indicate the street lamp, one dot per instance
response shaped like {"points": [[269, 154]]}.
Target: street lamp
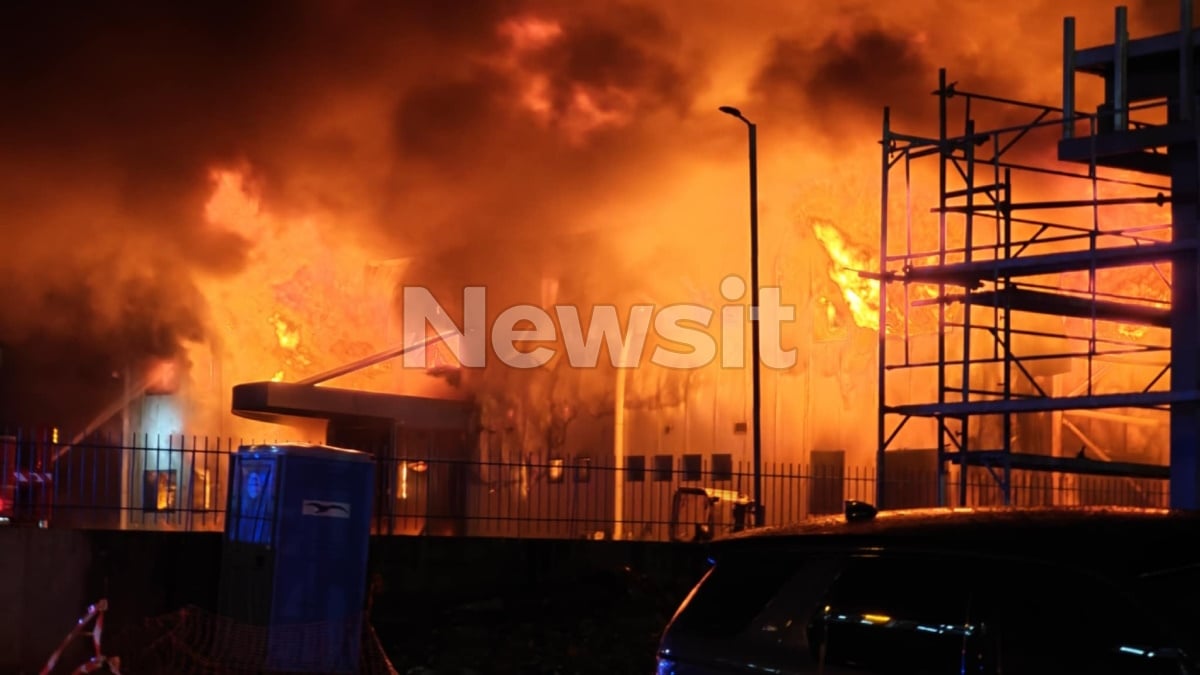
{"points": [[756, 387]]}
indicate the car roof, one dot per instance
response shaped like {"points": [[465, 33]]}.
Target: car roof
{"points": [[953, 519], [1126, 538]]}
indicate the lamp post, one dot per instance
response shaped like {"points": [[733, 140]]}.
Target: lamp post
{"points": [[756, 374]]}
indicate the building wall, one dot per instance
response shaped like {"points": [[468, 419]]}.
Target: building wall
{"points": [[824, 407]]}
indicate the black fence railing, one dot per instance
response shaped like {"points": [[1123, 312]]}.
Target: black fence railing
{"points": [[180, 483]]}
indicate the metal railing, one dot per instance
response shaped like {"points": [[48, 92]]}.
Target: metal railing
{"points": [[180, 484]]}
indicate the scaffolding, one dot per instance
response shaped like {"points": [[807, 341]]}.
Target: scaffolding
{"points": [[1008, 326]]}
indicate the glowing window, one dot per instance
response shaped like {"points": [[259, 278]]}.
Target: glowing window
{"points": [[159, 489], [201, 489]]}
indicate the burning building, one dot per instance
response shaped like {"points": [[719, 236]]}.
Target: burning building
{"points": [[552, 155]]}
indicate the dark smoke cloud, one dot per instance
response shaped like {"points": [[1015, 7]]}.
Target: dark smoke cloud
{"points": [[852, 74], [530, 177], [829, 86], [630, 48]]}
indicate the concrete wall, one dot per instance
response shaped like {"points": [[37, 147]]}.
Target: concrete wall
{"points": [[43, 574], [49, 576]]}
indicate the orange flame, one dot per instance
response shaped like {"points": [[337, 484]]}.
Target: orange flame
{"points": [[1129, 331], [861, 294], [303, 304], [288, 336]]}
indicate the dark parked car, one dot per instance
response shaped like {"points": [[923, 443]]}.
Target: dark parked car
{"points": [[1091, 591]]}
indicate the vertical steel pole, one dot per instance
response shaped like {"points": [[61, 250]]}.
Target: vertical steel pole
{"points": [[756, 366], [881, 431], [941, 351], [1187, 89], [1120, 93], [1068, 77], [968, 242]]}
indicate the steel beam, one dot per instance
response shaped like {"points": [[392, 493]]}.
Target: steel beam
{"points": [[1092, 467], [1116, 417], [1150, 399], [1187, 86], [1068, 91], [372, 360], [1142, 54], [1056, 304], [281, 402], [1185, 330], [1118, 83], [882, 438], [972, 273], [1159, 199], [1128, 143]]}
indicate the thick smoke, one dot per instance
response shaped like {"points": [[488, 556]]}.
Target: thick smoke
{"points": [[842, 81], [491, 140], [839, 78]]}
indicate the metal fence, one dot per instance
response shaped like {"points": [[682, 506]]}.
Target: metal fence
{"points": [[180, 484]]}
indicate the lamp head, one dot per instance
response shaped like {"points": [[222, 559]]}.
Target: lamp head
{"points": [[730, 110]]}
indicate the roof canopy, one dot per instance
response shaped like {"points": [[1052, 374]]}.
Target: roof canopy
{"points": [[277, 401]]}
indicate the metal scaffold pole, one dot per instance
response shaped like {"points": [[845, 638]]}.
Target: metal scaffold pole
{"points": [[881, 435], [1058, 292]]}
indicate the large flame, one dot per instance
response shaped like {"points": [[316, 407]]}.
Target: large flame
{"points": [[845, 262], [307, 303], [312, 297], [853, 271]]}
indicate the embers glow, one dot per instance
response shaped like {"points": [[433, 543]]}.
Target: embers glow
{"points": [[288, 335], [1130, 331]]}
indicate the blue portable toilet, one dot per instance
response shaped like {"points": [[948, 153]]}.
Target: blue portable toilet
{"points": [[294, 557]]}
